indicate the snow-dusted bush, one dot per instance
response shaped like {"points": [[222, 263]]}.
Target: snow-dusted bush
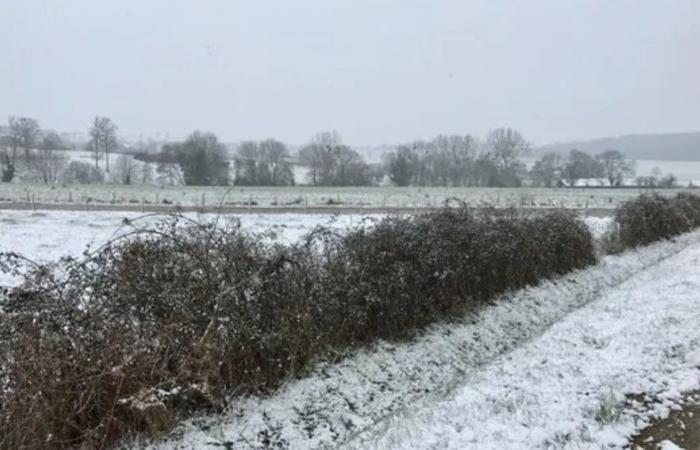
{"points": [[171, 318], [651, 218], [82, 172], [404, 273]]}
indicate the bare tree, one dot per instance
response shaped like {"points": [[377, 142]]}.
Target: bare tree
{"points": [[548, 170], [8, 158], [402, 165], [445, 160], [203, 160], [668, 181], [124, 169], [615, 166], [246, 164], [507, 146], [276, 157], [333, 164], [318, 155], [650, 180], [103, 139], [349, 169], [581, 165], [48, 161], [24, 132], [146, 173], [83, 173]]}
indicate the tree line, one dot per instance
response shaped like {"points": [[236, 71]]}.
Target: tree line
{"points": [[202, 159]]}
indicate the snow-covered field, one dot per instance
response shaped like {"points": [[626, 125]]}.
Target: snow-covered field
{"points": [[551, 366], [545, 367], [302, 196], [49, 235]]}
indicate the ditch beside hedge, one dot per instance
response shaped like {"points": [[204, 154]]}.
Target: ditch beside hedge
{"points": [[176, 318]]}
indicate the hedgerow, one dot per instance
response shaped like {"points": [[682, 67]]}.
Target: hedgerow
{"points": [[178, 317], [650, 218]]}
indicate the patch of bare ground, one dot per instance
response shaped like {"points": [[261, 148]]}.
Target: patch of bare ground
{"points": [[681, 427]]}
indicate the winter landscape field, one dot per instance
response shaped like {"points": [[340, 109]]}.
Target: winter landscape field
{"points": [[583, 362], [94, 196], [359, 225], [554, 365], [48, 235]]}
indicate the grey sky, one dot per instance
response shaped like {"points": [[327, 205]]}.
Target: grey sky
{"points": [[378, 71]]}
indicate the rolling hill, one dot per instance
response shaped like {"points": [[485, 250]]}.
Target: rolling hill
{"points": [[666, 146]]}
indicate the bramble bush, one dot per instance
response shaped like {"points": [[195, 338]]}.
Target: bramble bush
{"points": [[177, 317], [650, 218]]}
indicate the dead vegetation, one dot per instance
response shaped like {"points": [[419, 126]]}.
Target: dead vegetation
{"points": [[650, 218], [175, 318]]}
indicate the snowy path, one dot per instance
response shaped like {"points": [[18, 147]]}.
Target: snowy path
{"points": [[642, 337], [478, 382]]}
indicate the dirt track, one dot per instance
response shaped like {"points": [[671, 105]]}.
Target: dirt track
{"points": [[680, 427], [316, 209]]}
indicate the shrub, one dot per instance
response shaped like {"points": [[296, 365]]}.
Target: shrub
{"points": [[650, 218], [82, 172], [167, 319], [406, 273]]}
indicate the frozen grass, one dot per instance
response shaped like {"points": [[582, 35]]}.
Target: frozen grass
{"points": [[375, 197], [47, 236], [567, 389]]}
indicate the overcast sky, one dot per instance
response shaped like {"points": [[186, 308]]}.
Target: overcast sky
{"points": [[378, 71]]}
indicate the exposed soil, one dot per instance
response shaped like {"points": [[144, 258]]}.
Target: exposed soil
{"points": [[315, 209], [681, 427]]}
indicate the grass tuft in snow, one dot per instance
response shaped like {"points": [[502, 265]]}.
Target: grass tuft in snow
{"points": [[609, 410]]}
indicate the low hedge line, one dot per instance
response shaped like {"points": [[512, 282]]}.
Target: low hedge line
{"points": [[650, 218], [177, 317]]}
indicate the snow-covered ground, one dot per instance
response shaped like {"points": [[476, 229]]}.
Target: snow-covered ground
{"points": [[300, 196], [544, 367], [564, 389], [49, 235]]}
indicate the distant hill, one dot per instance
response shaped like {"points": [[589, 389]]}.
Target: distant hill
{"points": [[666, 147]]}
